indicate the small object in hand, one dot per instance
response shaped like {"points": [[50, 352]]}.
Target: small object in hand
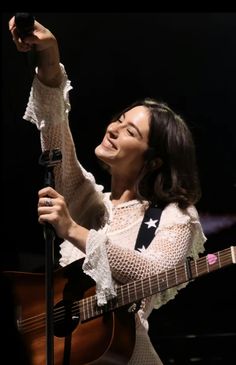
{"points": [[24, 24], [48, 202]]}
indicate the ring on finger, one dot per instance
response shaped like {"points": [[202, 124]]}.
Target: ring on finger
{"points": [[48, 202]]}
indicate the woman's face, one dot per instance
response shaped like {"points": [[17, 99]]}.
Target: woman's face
{"points": [[125, 142]]}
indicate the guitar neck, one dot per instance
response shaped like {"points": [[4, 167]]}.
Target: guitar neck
{"points": [[142, 288]]}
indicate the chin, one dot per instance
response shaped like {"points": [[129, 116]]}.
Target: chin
{"points": [[99, 152], [104, 154]]}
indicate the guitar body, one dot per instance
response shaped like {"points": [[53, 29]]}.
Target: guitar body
{"points": [[106, 339], [83, 333]]}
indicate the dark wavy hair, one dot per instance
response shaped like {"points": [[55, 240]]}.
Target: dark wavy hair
{"points": [[170, 141]]}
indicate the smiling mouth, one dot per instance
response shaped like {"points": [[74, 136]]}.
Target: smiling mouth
{"points": [[108, 144]]}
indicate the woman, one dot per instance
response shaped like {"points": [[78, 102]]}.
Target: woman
{"points": [[149, 152]]}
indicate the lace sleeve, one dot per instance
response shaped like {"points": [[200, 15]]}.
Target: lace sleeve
{"points": [[48, 109], [97, 266], [170, 246], [105, 260], [179, 235]]}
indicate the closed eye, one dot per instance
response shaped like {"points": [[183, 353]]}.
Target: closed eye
{"points": [[131, 128], [130, 132]]}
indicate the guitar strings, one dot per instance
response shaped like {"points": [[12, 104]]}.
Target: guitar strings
{"points": [[87, 307], [59, 312]]}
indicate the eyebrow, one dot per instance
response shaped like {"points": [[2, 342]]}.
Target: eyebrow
{"points": [[133, 125]]}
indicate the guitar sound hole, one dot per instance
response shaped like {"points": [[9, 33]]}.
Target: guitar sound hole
{"points": [[66, 318]]}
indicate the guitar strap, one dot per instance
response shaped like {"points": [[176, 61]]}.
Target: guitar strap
{"points": [[148, 227]]}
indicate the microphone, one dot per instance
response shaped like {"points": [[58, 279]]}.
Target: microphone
{"points": [[24, 24]]}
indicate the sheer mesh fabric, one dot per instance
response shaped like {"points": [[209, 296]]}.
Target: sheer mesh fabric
{"points": [[110, 256]]}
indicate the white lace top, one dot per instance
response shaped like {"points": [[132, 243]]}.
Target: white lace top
{"points": [[110, 255]]}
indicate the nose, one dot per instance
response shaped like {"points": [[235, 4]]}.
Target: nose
{"points": [[113, 130]]}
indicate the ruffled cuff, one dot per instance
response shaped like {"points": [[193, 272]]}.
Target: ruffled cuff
{"points": [[69, 253], [48, 105], [97, 266]]}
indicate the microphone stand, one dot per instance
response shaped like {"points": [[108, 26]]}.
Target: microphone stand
{"points": [[25, 25], [49, 159]]}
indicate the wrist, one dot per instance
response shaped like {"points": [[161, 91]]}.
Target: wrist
{"points": [[77, 235], [48, 61]]}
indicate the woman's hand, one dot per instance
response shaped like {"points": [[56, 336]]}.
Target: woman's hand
{"points": [[46, 47], [41, 37], [53, 209]]}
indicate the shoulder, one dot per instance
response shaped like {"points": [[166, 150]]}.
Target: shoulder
{"points": [[173, 214]]}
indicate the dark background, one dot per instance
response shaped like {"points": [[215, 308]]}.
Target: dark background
{"points": [[185, 59]]}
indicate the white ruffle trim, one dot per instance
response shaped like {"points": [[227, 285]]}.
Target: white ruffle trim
{"points": [[48, 105], [69, 253], [97, 266], [169, 294]]}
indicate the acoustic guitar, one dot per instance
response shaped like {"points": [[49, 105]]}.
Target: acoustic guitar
{"points": [[83, 332]]}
